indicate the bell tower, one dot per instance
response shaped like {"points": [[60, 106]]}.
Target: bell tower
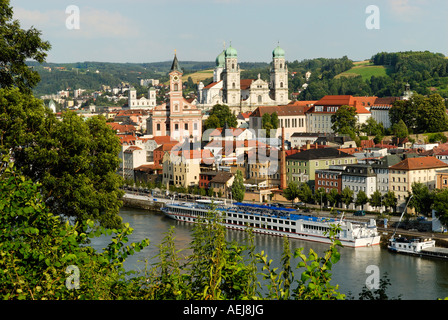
{"points": [[231, 78], [279, 76]]}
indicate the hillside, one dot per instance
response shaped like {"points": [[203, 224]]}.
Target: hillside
{"points": [[385, 74], [366, 71]]}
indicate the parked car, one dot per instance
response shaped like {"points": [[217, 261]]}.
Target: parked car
{"points": [[359, 213], [422, 218]]}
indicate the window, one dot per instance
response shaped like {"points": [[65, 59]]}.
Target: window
{"points": [[176, 126], [260, 99], [186, 126], [158, 127]]}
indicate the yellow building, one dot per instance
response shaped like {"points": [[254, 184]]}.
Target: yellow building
{"points": [[420, 169], [182, 168]]}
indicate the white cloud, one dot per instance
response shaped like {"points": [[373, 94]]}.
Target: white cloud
{"points": [[405, 10], [94, 23]]}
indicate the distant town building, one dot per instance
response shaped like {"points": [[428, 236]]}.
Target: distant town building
{"points": [[243, 95]]}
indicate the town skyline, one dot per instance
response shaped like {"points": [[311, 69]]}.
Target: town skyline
{"points": [[138, 31]]}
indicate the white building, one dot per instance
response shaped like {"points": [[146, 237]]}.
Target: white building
{"points": [[142, 103], [243, 95], [359, 177], [319, 116]]}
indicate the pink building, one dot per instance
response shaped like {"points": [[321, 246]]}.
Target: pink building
{"points": [[177, 118]]}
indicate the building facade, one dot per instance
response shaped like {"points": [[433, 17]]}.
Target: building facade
{"points": [[410, 170], [243, 95], [302, 166], [177, 118]]}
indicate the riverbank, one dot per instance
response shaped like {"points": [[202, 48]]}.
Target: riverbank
{"points": [[147, 202]]}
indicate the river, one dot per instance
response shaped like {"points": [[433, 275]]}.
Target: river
{"points": [[411, 277]]}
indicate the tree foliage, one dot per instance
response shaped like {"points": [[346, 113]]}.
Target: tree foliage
{"points": [[17, 46], [344, 120], [421, 114], [238, 188], [222, 113], [36, 249], [74, 160]]}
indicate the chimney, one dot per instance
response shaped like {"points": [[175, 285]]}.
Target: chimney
{"points": [[283, 162]]}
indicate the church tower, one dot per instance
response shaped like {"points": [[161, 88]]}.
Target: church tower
{"points": [[175, 86], [231, 78], [219, 68], [279, 77]]}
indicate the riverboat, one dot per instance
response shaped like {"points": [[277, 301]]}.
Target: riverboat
{"points": [[418, 247], [277, 221]]}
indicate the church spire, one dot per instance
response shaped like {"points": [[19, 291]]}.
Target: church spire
{"points": [[175, 66]]}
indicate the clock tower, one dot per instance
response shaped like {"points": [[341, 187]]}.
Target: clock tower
{"points": [[175, 79]]}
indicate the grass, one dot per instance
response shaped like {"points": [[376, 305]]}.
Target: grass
{"points": [[199, 75], [366, 70]]}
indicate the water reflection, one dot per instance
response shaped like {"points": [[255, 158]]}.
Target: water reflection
{"points": [[412, 277]]}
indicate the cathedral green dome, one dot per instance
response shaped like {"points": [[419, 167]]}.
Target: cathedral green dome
{"points": [[278, 52], [221, 59], [231, 52]]}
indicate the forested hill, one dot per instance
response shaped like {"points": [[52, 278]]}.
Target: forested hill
{"points": [[385, 74], [92, 75]]}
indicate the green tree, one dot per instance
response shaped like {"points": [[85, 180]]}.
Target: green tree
{"points": [[320, 196], [333, 197], [361, 199], [36, 248], [74, 160], [347, 196], [269, 122], [422, 199], [17, 46], [344, 120], [390, 200], [238, 189], [292, 192], [305, 193], [400, 130], [224, 115], [441, 205], [375, 200], [212, 122]]}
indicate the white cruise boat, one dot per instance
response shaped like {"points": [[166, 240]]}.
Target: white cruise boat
{"points": [[410, 246], [277, 221]]}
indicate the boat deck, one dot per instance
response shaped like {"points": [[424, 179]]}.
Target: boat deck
{"points": [[436, 251]]}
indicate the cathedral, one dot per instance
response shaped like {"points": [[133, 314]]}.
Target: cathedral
{"points": [[243, 95]]}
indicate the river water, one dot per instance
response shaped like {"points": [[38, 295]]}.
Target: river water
{"points": [[411, 277]]}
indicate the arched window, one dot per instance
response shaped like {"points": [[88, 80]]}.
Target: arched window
{"points": [[281, 65], [233, 85], [281, 84], [259, 99], [176, 87]]}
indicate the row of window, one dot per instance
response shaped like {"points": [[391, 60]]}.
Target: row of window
{"points": [[176, 126], [261, 218]]}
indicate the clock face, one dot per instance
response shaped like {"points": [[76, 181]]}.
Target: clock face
{"points": [[175, 78]]}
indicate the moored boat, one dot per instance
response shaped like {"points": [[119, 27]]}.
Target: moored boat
{"points": [[277, 221], [417, 246]]}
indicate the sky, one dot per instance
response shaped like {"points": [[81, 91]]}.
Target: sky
{"points": [[140, 31]]}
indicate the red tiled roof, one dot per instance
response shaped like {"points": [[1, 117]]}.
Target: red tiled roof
{"points": [[163, 139], [419, 163], [120, 127], [212, 84], [287, 110], [245, 83]]}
